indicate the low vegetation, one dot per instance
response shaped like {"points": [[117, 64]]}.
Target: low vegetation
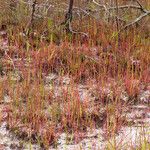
{"points": [[56, 81]]}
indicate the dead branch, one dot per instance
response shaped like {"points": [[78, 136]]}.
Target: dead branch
{"points": [[76, 32], [136, 20], [127, 6], [140, 7]]}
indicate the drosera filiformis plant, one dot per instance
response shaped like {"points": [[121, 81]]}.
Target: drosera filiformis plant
{"points": [[56, 86]]}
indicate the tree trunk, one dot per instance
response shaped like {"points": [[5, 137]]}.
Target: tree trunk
{"points": [[68, 17]]}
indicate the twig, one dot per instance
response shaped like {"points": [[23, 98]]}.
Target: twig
{"points": [[140, 5], [128, 6], [100, 5], [136, 20], [76, 32]]}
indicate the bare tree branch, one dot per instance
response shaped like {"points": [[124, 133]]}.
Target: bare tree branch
{"points": [[136, 20], [140, 7], [128, 6], [76, 32]]}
